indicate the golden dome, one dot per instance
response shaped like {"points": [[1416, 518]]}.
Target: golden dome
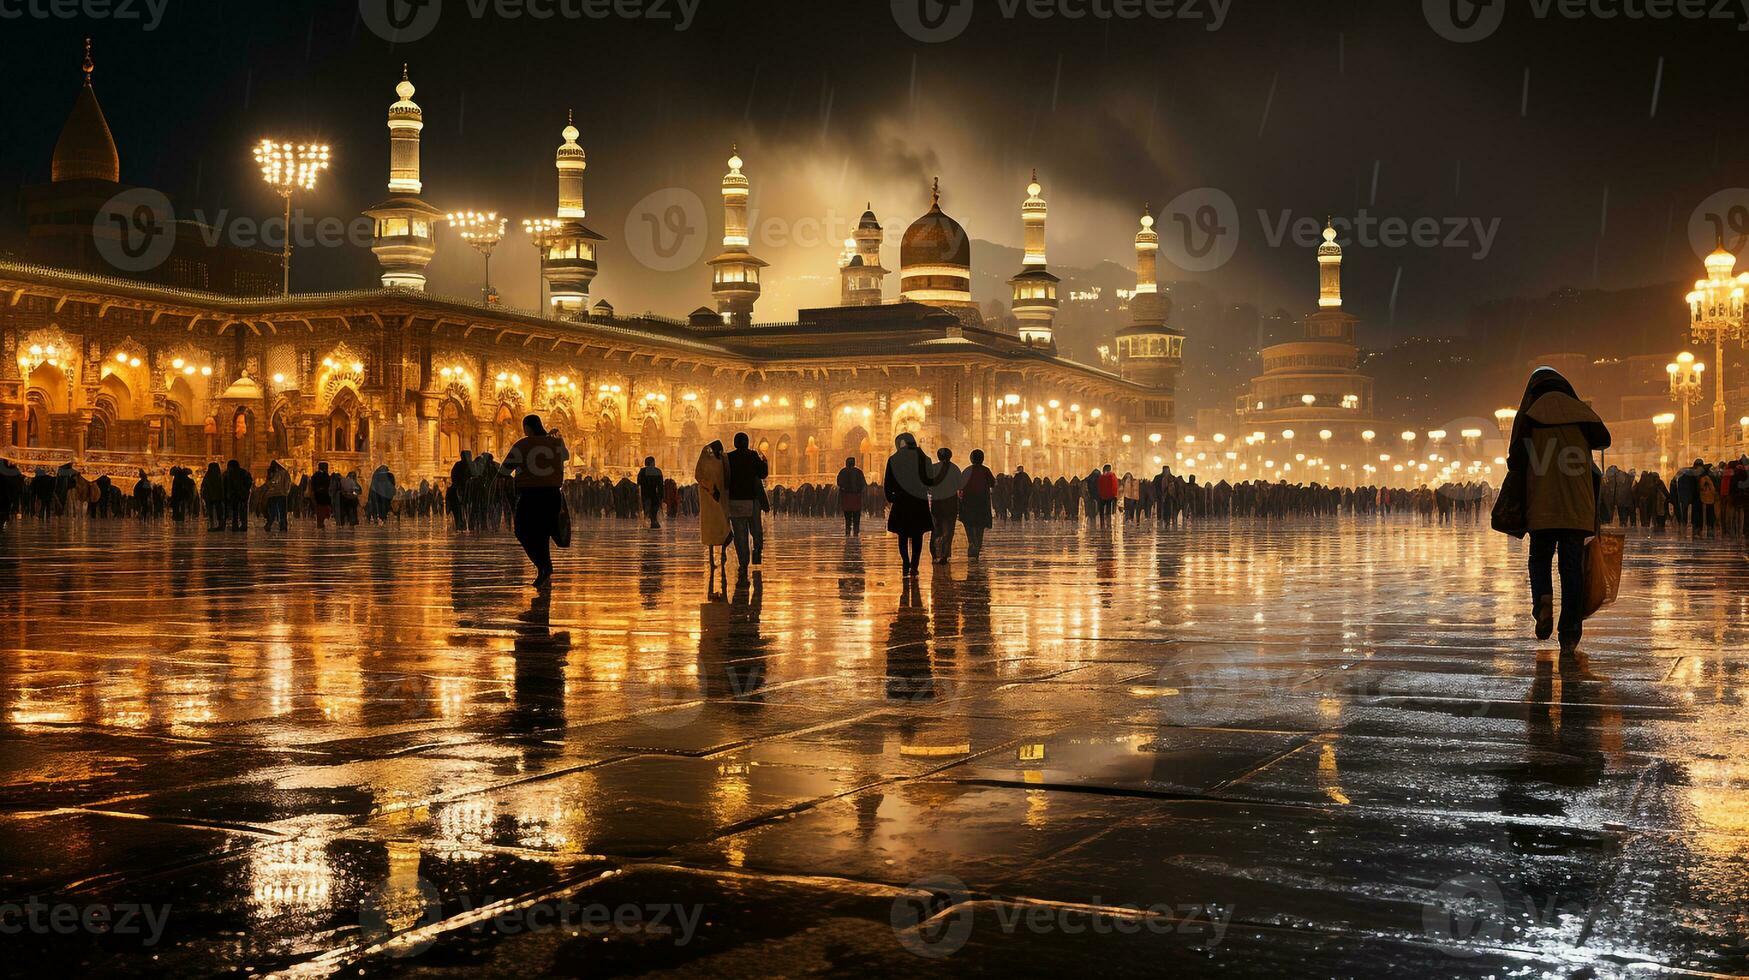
{"points": [[86, 150], [935, 239]]}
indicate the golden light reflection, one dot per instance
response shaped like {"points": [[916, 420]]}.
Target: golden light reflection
{"points": [[289, 877]]}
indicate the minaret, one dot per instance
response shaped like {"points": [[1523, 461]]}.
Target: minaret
{"points": [[1035, 289], [1330, 270], [1149, 352], [1331, 322], [404, 241], [735, 273], [568, 267], [860, 268]]}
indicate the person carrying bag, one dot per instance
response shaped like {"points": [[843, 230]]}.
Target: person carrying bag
{"points": [[1552, 493]]}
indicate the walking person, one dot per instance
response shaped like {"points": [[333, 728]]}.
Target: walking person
{"points": [[1109, 489], [650, 491], [908, 501], [944, 479], [746, 498], [277, 488], [711, 475], [1707, 495], [322, 494], [237, 484], [852, 484], [1552, 442], [537, 462], [975, 512], [212, 494], [456, 497], [382, 494]]}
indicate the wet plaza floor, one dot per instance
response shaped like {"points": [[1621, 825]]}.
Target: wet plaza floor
{"points": [[1287, 750]]}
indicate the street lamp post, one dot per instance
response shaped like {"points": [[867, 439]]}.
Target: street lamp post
{"points": [[483, 230], [1716, 314], [1662, 423], [289, 168], [1685, 377], [541, 232]]}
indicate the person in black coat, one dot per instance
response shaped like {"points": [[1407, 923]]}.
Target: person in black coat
{"points": [[238, 483], [650, 491], [852, 484], [212, 494], [908, 515]]}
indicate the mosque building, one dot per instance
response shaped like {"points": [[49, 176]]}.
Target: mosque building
{"points": [[1310, 413], [120, 369]]}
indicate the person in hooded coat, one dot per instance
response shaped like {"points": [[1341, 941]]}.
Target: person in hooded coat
{"points": [[278, 491], [382, 493], [212, 493], [904, 486], [712, 474], [1552, 442]]}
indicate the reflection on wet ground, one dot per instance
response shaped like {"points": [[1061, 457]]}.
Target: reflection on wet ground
{"points": [[1252, 750]]}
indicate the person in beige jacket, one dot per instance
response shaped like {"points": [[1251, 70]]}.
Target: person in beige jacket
{"points": [[1552, 442], [712, 475]]}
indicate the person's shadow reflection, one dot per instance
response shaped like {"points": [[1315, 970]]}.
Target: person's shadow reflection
{"points": [[732, 648], [538, 685], [909, 674], [1572, 727], [650, 575]]}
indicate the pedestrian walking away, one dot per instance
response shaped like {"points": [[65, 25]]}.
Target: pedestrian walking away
{"points": [[1556, 485], [538, 464]]}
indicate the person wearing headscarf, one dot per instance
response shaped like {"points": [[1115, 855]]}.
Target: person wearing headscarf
{"points": [[382, 493], [278, 491], [711, 475], [908, 514], [975, 510], [1553, 438]]}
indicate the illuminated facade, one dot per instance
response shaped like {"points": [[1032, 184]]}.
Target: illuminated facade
{"points": [[121, 373]]}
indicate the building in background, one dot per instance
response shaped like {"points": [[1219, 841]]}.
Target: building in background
{"points": [[68, 217], [120, 372]]}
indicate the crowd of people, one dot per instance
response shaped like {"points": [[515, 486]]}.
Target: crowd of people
{"points": [[481, 494]]}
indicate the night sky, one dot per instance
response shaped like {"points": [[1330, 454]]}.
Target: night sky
{"points": [[1295, 109]]}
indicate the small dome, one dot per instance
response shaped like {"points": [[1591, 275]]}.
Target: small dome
{"points": [[935, 239], [868, 221], [855, 262], [86, 150]]}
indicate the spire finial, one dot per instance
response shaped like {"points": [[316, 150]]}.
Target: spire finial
{"points": [[570, 117], [88, 66], [1035, 175], [935, 192]]}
